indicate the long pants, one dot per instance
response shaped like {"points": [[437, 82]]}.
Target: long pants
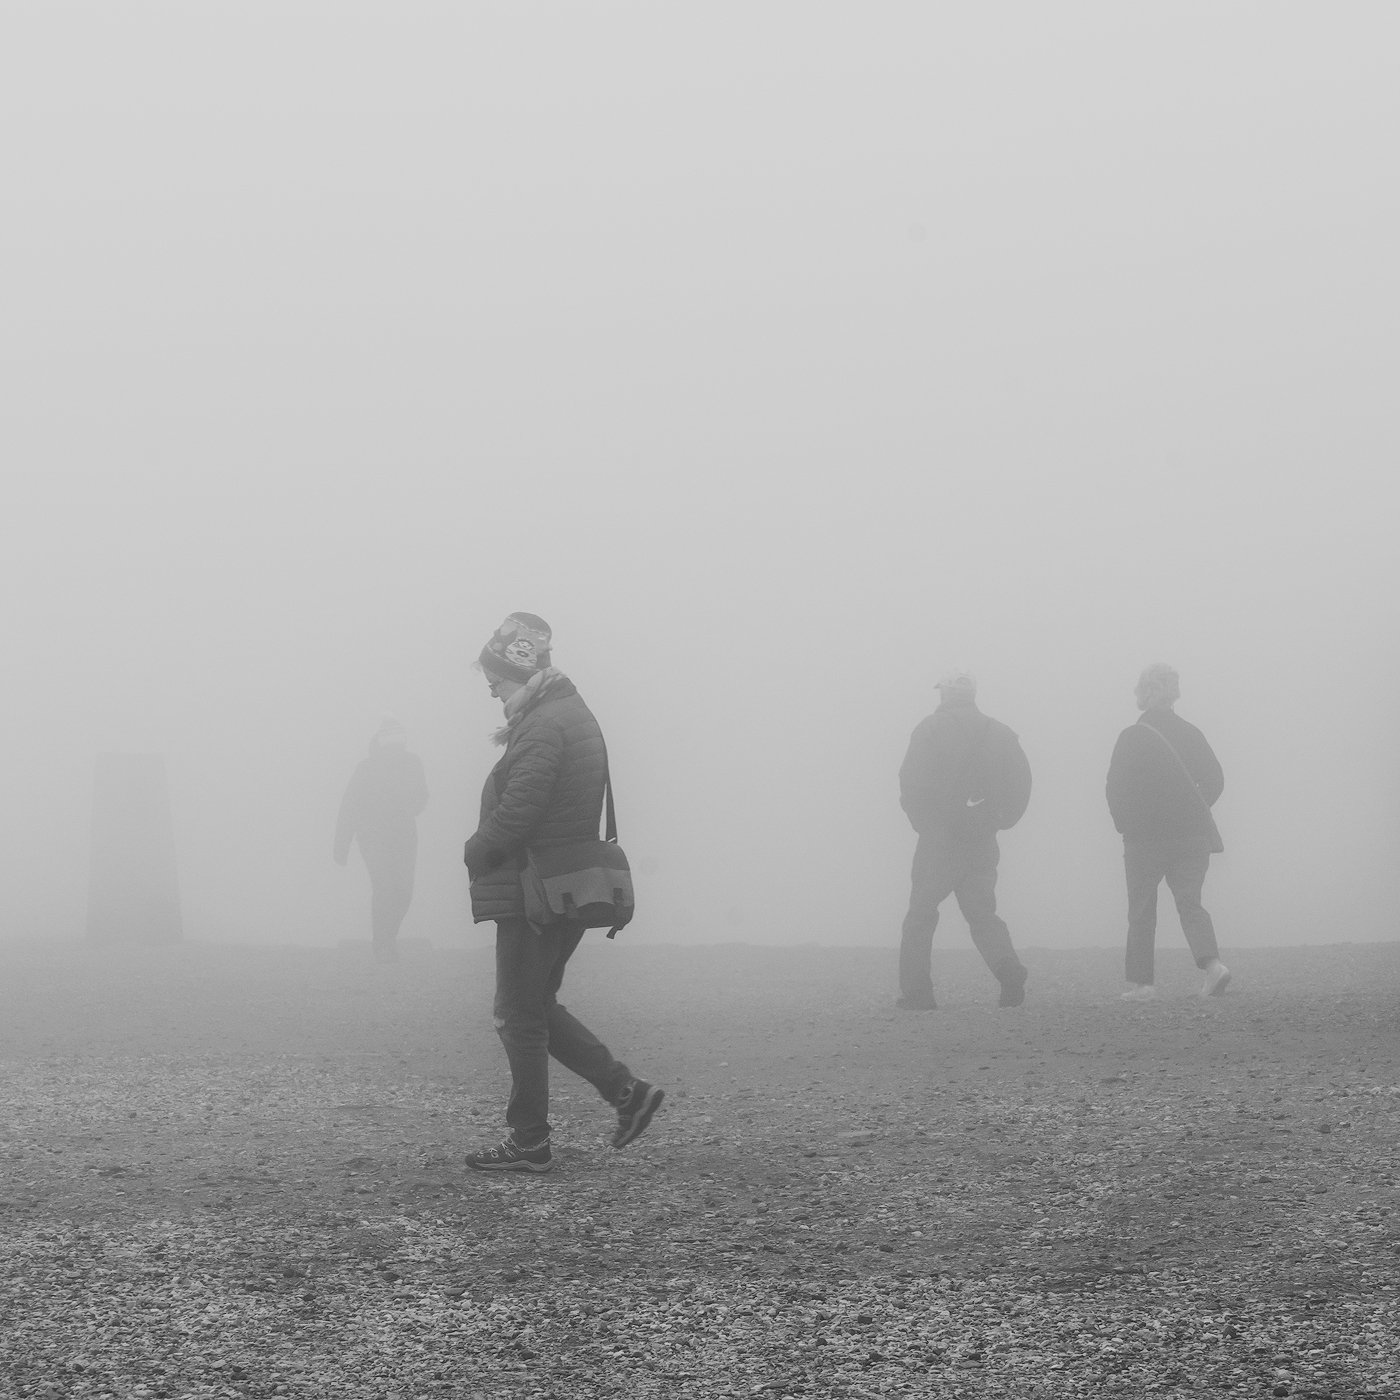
{"points": [[945, 865], [1147, 863], [390, 866], [533, 1026]]}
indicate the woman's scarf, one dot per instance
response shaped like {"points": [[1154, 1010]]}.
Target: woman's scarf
{"points": [[537, 688]]}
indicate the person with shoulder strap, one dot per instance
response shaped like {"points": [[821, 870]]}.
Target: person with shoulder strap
{"points": [[1163, 780], [964, 778], [544, 796]]}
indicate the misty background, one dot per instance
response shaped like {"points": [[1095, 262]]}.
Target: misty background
{"points": [[781, 357]]}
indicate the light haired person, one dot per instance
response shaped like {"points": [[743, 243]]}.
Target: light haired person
{"points": [[546, 789], [1163, 780]]}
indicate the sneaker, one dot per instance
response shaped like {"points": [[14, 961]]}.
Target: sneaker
{"points": [[1013, 988], [917, 1004], [509, 1156], [635, 1111], [1217, 978], [1141, 991]]}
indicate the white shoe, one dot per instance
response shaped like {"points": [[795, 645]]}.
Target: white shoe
{"points": [[1217, 979], [1141, 991]]}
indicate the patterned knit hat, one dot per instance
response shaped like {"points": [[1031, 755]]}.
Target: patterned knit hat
{"points": [[958, 683], [518, 650]]}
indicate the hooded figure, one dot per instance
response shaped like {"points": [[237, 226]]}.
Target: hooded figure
{"points": [[546, 789], [379, 812]]}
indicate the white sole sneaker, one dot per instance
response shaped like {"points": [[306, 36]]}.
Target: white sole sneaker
{"points": [[1216, 981], [1144, 992]]}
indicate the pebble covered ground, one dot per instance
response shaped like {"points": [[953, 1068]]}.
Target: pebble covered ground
{"points": [[237, 1173]]}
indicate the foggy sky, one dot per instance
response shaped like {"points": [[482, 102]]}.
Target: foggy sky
{"points": [[781, 357]]}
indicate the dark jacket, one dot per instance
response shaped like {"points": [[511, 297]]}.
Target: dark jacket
{"points": [[386, 793], [1150, 797], [939, 776], [547, 789]]}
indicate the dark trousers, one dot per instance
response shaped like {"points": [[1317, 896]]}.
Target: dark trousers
{"points": [[945, 865], [533, 1026], [1147, 863], [390, 867]]}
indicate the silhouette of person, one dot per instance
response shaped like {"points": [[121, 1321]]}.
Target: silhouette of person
{"points": [[1163, 780], [547, 789], [963, 779], [379, 812]]}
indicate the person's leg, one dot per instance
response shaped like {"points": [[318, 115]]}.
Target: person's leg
{"points": [[390, 897], [571, 1042], [976, 894], [525, 968], [1186, 874], [391, 890], [1144, 867], [931, 882]]}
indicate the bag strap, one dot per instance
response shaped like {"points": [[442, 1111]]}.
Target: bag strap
{"points": [[610, 826], [1180, 763]]}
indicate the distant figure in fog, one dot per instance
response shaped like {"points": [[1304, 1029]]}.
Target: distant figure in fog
{"points": [[1163, 780], [546, 790], [379, 812], [964, 778]]}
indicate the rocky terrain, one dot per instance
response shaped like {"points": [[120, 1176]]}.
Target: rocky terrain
{"points": [[236, 1172]]}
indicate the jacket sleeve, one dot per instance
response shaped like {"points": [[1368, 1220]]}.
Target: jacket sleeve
{"points": [[924, 780], [1127, 779], [529, 785], [1211, 780]]}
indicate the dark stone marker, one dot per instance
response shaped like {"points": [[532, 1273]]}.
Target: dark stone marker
{"points": [[133, 892]]}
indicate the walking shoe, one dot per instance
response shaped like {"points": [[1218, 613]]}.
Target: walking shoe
{"points": [[1217, 978], [1141, 991], [1013, 988], [635, 1111], [917, 1004], [509, 1156]]}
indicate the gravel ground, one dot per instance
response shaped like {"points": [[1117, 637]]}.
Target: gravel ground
{"points": [[231, 1172]]}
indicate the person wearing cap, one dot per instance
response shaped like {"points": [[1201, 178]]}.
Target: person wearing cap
{"points": [[546, 789], [379, 813], [944, 792], [1163, 780]]}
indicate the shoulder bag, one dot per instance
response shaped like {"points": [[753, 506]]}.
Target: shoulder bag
{"points": [[584, 883]]}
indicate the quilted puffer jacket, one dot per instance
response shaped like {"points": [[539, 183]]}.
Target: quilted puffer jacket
{"points": [[546, 789]]}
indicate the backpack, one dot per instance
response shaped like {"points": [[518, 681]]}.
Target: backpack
{"points": [[999, 781]]}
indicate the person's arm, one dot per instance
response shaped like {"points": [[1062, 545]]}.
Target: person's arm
{"points": [[529, 786], [1125, 779], [1211, 779], [923, 778]]}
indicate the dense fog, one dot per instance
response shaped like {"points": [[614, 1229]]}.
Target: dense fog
{"points": [[781, 357]]}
